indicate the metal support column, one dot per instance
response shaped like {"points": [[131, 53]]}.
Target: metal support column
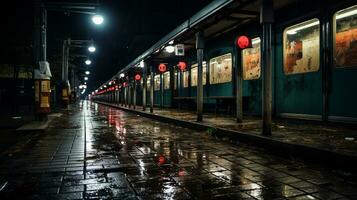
{"points": [[199, 47], [152, 89], [161, 90], [144, 86], [129, 94], [266, 20], [239, 87], [134, 94]]}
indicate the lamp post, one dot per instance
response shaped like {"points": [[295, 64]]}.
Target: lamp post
{"points": [[66, 85], [42, 73]]}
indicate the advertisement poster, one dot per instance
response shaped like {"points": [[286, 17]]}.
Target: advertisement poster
{"points": [[185, 79], [221, 69], [346, 48], [194, 73], [251, 62], [157, 82], [166, 80], [302, 48]]}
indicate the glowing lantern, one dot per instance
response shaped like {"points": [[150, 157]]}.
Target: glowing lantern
{"points": [[244, 42], [137, 77], [161, 160], [182, 66], [162, 67]]}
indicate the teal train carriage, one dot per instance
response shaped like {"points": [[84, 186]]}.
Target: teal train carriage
{"points": [[314, 61]]}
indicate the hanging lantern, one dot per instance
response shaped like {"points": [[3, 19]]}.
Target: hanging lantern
{"points": [[244, 42], [162, 67], [137, 77], [182, 66]]}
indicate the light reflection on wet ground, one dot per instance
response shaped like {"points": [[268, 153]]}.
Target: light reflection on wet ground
{"points": [[131, 157], [166, 161]]}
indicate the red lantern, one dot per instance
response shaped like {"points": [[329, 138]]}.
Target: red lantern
{"points": [[244, 42], [182, 66], [137, 77], [162, 67]]}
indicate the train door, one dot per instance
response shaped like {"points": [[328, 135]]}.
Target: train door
{"points": [[342, 104], [298, 74]]}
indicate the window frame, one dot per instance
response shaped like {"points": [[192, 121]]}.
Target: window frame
{"points": [[210, 69], [334, 31], [296, 25]]}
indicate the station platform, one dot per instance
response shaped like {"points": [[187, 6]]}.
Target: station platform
{"points": [[94, 151], [310, 139]]}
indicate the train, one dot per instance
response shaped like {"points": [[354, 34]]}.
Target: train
{"points": [[314, 73]]}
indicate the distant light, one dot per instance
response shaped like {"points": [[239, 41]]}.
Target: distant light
{"points": [[88, 62], [85, 83], [121, 75], [142, 64], [87, 72], [171, 42], [105, 86], [91, 49], [85, 78], [170, 49], [97, 19]]}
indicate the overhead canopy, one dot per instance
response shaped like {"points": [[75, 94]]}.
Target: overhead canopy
{"points": [[217, 18]]}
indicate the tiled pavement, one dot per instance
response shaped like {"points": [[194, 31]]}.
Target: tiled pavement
{"points": [[97, 152]]}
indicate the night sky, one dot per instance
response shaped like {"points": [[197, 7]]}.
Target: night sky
{"points": [[131, 26]]}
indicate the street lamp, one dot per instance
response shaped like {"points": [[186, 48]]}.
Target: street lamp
{"points": [[88, 62], [97, 19], [87, 72], [91, 49]]}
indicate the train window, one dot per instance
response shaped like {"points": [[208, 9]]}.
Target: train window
{"points": [[185, 79], [148, 82], [157, 82], [251, 61], [194, 73], [166, 80], [220, 69], [345, 37], [175, 81], [302, 47]]}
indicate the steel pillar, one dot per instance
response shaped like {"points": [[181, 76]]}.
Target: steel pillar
{"points": [[266, 19], [199, 47]]}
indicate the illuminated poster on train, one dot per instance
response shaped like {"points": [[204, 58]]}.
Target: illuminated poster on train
{"points": [[166, 80], [157, 82], [185, 79], [302, 47], [148, 82], [194, 73], [221, 69], [345, 50], [175, 81], [251, 61]]}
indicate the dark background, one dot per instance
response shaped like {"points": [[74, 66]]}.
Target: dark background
{"points": [[130, 27]]}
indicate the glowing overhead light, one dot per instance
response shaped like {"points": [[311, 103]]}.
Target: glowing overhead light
{"points": [[170, 49], [142, 64], [85, 83], [85, 78], [121, 75], [91, 49], [97, 19], [256, 40], [87, 72], [171, 42], [105, 86], [88, 62], [343, 13], [295, 30]]}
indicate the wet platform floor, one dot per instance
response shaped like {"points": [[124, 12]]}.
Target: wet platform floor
{"points": [[97, 152], [326, 136]]}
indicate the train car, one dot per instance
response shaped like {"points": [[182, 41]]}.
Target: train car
{"points": [[314, 60]]}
